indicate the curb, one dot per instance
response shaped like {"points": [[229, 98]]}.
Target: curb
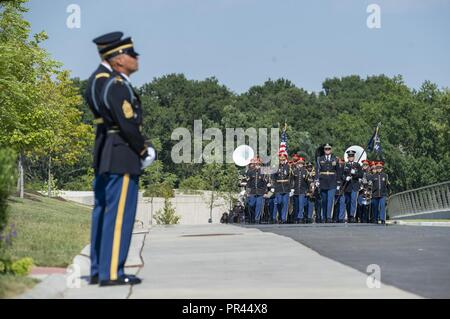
{"points": [[439, 224]]}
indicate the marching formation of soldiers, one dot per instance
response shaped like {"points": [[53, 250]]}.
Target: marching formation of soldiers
{"points": [[334, 191]]}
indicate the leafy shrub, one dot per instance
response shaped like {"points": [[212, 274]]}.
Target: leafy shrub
{"points": [[193, 183], [163, 189], [7, 179], [167, 215], [22, 266]]}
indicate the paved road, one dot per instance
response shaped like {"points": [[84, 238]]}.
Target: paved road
{"points": [[224, 261], [273, 261], [412, 258]]}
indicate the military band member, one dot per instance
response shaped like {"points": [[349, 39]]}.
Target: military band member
{"points": [[257, 186], [380, 189], [269, 197], [327, 179], [339, 201], [281, 188], [92, 96], [365, 193], [351, 174], [124, 153], [299, 187], [311, 192]]}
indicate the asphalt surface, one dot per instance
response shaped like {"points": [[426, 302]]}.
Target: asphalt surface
{"points": [[412, 258]]}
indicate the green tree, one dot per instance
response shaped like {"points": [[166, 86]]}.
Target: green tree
{"points": [[167, 215], [37, 113]]}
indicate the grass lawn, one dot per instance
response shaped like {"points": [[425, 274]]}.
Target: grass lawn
{"points": [[50, 231], [11, 285]]}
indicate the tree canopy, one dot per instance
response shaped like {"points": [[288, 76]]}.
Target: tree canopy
{"points": [[43, 116]]}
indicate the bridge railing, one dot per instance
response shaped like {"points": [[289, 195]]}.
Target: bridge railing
{"points": [[425, 200]]}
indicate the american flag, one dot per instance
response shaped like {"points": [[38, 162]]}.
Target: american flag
{"points": [[283, 144], [374, 142]]}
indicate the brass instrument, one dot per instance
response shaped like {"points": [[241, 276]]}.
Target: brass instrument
{"points": [[366, 191], [269, 194], [311, 186]]}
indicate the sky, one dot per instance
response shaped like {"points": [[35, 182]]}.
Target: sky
{"points": [[245, 42]]}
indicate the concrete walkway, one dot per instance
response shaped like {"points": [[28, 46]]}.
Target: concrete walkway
{"points": [[225, 261]]}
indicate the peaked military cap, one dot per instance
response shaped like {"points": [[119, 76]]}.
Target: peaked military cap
{"points": [[107, 39], [124, 46]]}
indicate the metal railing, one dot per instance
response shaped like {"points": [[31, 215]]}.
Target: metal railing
{"points": [[425, 200]]}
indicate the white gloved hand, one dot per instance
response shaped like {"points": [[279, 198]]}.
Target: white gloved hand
{"points": [[338, 187], [149, 159], [292, 190], [317, 183], [348, 178], [291, 193], [268, 184], [242, 193], [353, 171], [272, 190]]}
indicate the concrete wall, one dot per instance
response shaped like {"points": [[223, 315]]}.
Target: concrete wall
{"points": [[193, 209]]}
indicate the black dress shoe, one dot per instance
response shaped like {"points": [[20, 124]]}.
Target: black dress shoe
{"points": [[121, 281], [93, 280]]}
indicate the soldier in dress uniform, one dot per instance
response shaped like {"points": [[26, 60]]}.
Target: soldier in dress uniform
{"points": [[256, 185], [380, 189], [327, 179], [310, 193], [281, 188], [92, 96], [365, 193], [339, 200], [269, 196], [351, 174], [125, 153], [299, 187]]}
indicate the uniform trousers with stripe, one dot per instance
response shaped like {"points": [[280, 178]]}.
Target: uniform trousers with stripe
{"points": [[121, 195], [281, 206], [327, 196], [98, 214], [299, 206], [309, 207], [255, 204], [379, 208]]}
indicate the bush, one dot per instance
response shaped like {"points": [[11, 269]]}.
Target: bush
{"points": [[167, 215], [22, 266], [193, 183], [163, 189], [7, 179]]}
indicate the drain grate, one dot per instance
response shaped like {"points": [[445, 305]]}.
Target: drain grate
{"points": [[210, 235]]}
